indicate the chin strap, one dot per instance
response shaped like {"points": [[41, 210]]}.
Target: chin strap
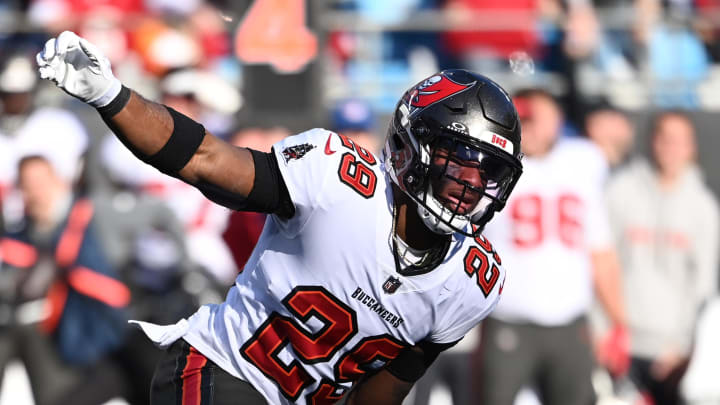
{"points": [[411, 262]]}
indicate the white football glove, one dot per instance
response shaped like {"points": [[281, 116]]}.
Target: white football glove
{"points": [[77, 66]]}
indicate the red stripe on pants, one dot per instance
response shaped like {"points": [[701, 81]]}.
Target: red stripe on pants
{"points": [[192, 377]]}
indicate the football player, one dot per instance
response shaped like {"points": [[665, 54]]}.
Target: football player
{"points": [[367, 267], [557, 231]]}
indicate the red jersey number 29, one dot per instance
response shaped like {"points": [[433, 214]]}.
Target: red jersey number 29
{"points": [[356, 173], [339, 326]]}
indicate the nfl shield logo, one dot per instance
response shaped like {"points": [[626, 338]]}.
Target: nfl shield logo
{"points": [[391, 285]]}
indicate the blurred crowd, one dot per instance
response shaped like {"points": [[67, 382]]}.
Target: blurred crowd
{"points": [[616, 240], [635, 53]]}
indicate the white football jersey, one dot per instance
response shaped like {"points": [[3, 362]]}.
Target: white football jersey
{"points": [[319, 303], [554, 218]]}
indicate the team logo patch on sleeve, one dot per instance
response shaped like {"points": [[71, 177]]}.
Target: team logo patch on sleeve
{"points": [[296, 151]]}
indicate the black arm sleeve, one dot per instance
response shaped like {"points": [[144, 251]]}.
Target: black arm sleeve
{"points": [[412, 362], [269, 193], [184, 141]]}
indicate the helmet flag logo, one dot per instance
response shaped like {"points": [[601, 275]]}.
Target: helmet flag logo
{"points": [[434, 89]]}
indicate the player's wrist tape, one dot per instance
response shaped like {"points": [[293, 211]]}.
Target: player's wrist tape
{"points": [[184, 141], [117, 104]]}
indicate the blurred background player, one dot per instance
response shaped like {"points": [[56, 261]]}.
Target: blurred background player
{"points": [[612, 131], [66, 303], [17, 90], [355, 119], [202, 221], [21, 111], [665, 222], [145, 242], [555, 239]]}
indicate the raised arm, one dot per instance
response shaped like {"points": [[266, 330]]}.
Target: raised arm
{"points": [[147, 127], [162, 137]]}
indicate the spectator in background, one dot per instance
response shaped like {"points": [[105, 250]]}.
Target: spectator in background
{"points": [[678, 62], [676, 57], [66, 300], [145, 241], [16, 83], [203, 96], [131, 211], [707, 28], [665, 221], [622, 20], [488, 49], [144, 39], [555, 239], [59, 15], [356, 120], [17, 89], [20, 116], [611, 130], [200, 224]]}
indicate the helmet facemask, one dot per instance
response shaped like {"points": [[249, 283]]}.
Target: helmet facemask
{"points": [[464, 183]]}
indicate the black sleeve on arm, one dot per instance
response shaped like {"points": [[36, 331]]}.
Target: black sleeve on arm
{"points": [[412, 362], [184, 141], [269, 193]]}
